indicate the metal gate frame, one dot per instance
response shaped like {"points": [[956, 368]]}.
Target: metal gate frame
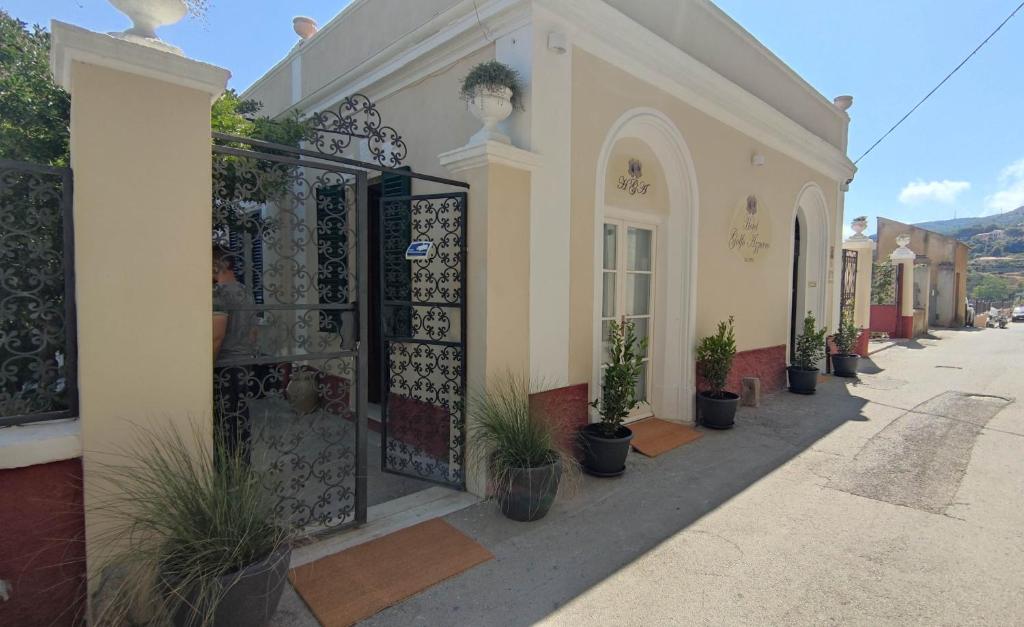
{"points": [[356, 119], [848, 295], [388, 338]]}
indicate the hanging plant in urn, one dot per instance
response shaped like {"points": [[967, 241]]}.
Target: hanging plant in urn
{"points": [[492, 90], [149, 15]]}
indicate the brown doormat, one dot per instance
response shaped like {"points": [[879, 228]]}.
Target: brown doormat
{"points": [[347, 587], [654, 436]]}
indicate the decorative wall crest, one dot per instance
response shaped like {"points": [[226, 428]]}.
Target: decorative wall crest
{"points": [[632, 183]]}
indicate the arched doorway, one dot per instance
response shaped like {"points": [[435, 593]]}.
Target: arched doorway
{"points": [[809, 286], [640, 233]]}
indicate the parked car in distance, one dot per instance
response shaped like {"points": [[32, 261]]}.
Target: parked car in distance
{"points": [[1018, 313]]}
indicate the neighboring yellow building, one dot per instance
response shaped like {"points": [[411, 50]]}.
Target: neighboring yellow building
{"points": [[944, 284], [684, 173]]}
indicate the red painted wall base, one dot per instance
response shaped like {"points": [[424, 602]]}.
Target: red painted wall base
{"points": [[767, 364], [42, 554]]}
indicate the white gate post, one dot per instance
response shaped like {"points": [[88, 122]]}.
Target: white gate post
{"points": [[864, 247], [141, 155]]}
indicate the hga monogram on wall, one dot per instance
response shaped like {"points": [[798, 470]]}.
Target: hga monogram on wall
{"points": [[632, 184]]}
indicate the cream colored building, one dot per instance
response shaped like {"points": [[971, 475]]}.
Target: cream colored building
{"points": [[673, 161]]}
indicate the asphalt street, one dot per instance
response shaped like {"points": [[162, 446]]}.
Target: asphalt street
{"points": [[895, 499]]}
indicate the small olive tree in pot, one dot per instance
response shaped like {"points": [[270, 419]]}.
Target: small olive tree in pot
{"points": [[606, 444], [716, 408], [808, 351], [846, 359], [521, 447]]}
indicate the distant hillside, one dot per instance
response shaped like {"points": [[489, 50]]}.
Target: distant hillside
{"points": [[973, 226], [997, 252]]}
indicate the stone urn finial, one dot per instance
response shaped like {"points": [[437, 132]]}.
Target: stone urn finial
{"points": [[903, 253], [858, 225], [146, 17]]}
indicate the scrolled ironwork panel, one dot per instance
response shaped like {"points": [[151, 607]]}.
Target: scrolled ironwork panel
{"points": [[423, 329], [286, 375], [37, 316], [849, 283]]}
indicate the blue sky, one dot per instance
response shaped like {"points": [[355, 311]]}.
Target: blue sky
{"points": [[961, 153]]}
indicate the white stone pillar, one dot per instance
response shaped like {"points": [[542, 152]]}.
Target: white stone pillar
{"points": [[498, 273], [904, 257], [140, 151]]}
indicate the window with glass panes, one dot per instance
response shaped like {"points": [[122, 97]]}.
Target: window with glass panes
{"points": [[628, 289]]}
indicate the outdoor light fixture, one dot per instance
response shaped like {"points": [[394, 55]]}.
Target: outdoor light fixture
{"points": [[558, 42], [757, 159]]}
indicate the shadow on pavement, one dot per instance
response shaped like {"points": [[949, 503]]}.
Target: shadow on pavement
{"points": [[610, 523]]}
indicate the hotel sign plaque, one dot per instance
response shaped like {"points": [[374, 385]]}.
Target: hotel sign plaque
{"points": [[750, 232]]}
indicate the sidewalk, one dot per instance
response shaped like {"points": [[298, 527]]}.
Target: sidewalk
{"points": [[743, 526]]}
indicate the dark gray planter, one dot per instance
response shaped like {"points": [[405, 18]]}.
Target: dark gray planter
{"points": [[802, 381], [717, 412], [250, 598], [531, 491], [845, 365], [604, 456]]}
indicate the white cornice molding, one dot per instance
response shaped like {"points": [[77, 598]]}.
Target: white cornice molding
{"points": [[723, 18], [445, 39], [608, 34], [600, 30], [489, 153], [71, 43]]}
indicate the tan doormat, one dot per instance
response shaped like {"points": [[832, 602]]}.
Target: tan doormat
{"points": [[347, 587], [654, 436]]}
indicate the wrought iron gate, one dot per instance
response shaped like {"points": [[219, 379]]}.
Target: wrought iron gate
{"points": [[292, 261], [423, 331], [288, 375], [848, 296]]}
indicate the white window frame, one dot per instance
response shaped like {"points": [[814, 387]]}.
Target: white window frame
{"points": [[623, 220]]}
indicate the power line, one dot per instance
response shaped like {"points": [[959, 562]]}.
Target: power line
{"points": [[942, 82]]}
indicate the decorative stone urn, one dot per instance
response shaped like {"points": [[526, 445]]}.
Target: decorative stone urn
{"points": [[146, 17], [491, 105], [858, 225], [302, 393]]}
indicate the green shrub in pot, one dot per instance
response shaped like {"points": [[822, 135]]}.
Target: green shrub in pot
{"points": [[808, 351], [716, 407], [522, 448], [605, 444], [845, 360]]}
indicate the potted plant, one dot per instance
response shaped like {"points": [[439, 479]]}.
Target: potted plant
{"points": [[716, 408], [521, 447], [492, 90], [195, 535], [845, 359], [605, 444], [807, 353]]}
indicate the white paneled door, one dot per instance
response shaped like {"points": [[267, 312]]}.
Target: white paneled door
{"points": [[628, 292]]}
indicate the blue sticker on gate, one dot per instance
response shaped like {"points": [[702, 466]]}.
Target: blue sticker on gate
{"points": [[419, 250]]}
